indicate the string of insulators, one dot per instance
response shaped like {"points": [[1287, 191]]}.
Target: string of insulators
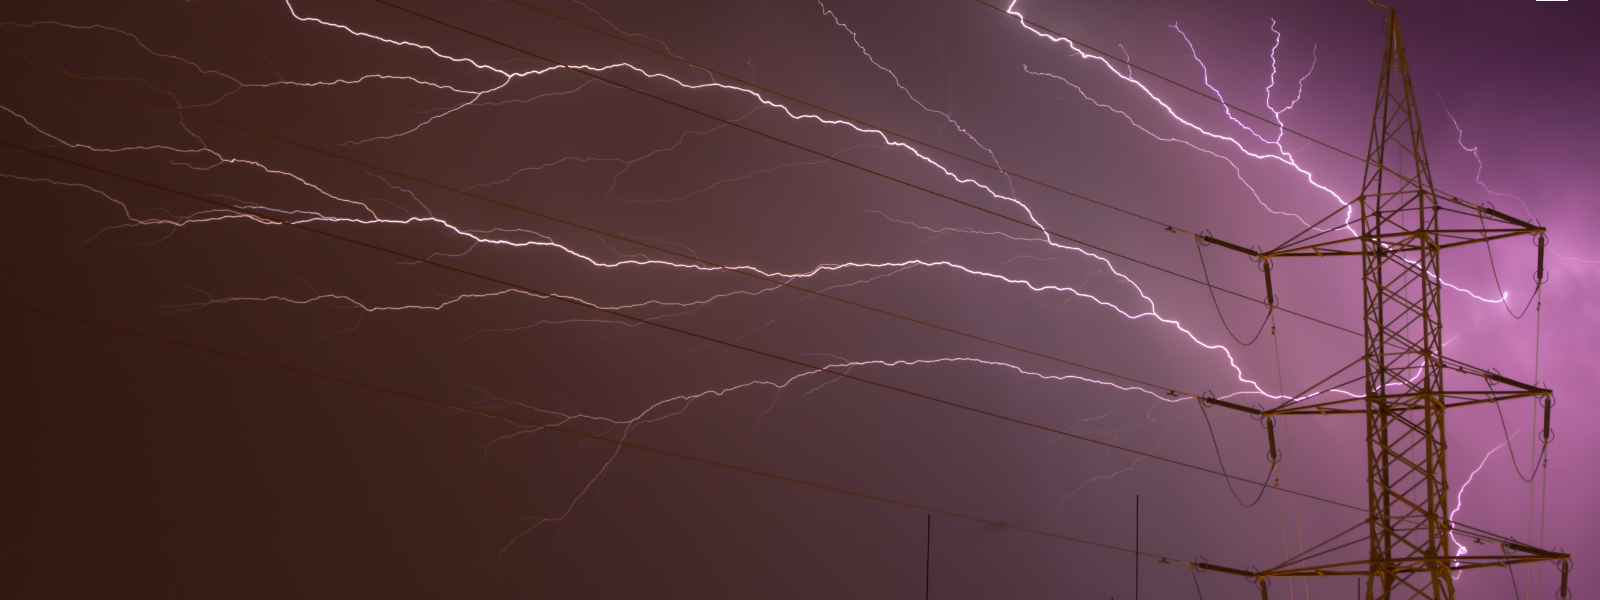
{"points": [[1272, 440], [1538, 276], [1549, 403], [1266, 268]]}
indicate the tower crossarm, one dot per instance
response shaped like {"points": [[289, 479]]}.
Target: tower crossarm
{"points": [[1360, 405], [1336, 233], [1511, 554], [1495, 388]]}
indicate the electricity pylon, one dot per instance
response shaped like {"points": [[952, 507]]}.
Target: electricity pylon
{"points": [[1397, 227]]}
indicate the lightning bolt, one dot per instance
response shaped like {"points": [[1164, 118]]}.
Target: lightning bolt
{"points": [[1477, 176], [343, 209], [900, 85], [1281, 155], [1461, 494], [1150, 312], [676, 405]]}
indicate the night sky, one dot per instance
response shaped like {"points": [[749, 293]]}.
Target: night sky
{"points": [[528, 299]]}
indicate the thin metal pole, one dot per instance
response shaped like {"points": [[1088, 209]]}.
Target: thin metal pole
{"points": [[927, 560], [1135, 547]]}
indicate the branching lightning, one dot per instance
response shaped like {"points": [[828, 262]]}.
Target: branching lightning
{"points": [[1281, 155], [413, 215], [1461, 495]]}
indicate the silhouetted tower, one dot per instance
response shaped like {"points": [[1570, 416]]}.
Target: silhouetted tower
{"points": [[1397, 227]]}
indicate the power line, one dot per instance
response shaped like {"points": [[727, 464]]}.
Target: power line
{"points": [[263, 361], [778, 281], [1224, 474], [1170, 389], [1199, 252], [774, 356], [832, 158], [786, 283], [465, 272], [556, 15], [685, 332], [874, 309]]}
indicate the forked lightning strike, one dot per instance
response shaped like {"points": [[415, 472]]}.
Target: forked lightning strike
{"points": [[465, 98]]}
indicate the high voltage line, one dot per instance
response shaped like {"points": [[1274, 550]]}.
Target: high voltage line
{"points": [[262, 361], [774, 138], [1172, 390], [646, 321], [774, 356], [780, 281], [832, 158], [842, 300], [679, 330], [558, 16], [555, 15], [878, 498], [1399, 547]]}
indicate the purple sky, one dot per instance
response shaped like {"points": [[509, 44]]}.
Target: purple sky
{"points": [[219, 406]]}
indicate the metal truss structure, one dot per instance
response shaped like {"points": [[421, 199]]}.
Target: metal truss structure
{"points": [[1397, 227]]}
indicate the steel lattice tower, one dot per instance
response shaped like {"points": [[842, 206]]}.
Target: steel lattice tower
{"points": [[1402, 225]]}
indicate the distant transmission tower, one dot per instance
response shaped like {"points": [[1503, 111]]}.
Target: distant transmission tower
{"points": [[1410, 542]]}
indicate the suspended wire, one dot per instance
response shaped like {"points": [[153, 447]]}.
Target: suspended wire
{"points": [[419, 259], [1544, 498], [1277, 352], [726, 76], [558, 16], [1538, 328], [1227, 477], [830, 157], [1199, 250], [1538, 334], [525, 210], [1215, 445], [1511, 453], [784, 282], [1210, 287], [264, 361], [903, 182], [1494, 271], [555, 15], [1540, 439]]}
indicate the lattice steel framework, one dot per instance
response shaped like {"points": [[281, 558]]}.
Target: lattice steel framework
{"points": [[1398, 233], [1406, 486]]}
